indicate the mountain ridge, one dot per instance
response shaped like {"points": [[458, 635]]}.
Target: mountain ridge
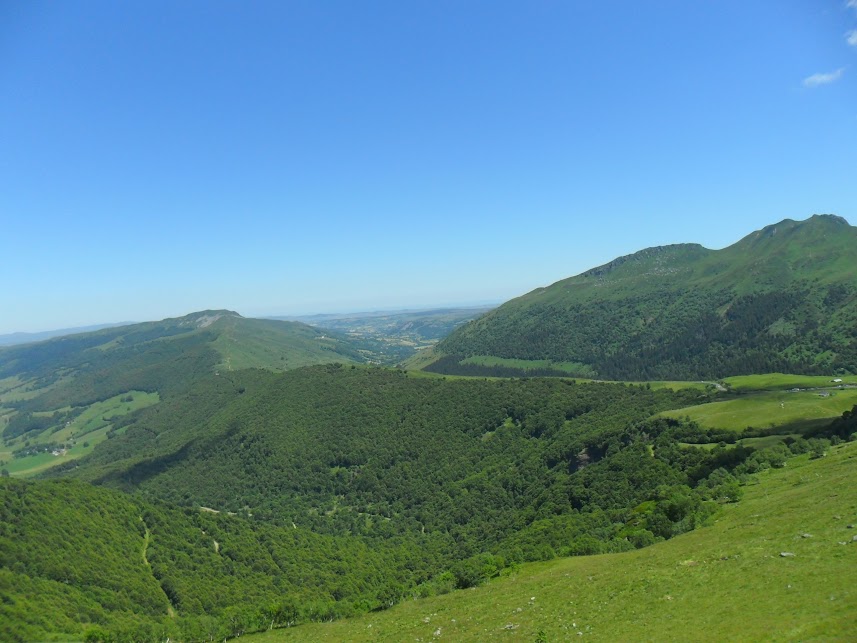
{"points": [[683, 311], [48, 389]]}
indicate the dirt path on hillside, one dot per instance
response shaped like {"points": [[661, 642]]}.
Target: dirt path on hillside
{"points": [[171, 612]]}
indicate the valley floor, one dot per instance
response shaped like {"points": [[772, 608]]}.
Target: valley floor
{"points": [[780, 565]]}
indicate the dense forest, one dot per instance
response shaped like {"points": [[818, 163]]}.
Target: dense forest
{"points": [[79, 561], [372, 451]]}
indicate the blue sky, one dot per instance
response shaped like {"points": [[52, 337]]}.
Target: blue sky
{"points": [[158, 158]]}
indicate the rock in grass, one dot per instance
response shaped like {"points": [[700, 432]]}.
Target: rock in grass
{"points": [[786, 554]]}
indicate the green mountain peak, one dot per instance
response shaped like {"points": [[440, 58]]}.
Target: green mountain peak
{"points": [[204, 318], [783, 298]]}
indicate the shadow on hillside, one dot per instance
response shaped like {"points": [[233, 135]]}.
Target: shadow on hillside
{"points": [[140, 472]]}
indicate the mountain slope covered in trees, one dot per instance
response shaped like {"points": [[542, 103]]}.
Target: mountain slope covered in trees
{"points": [[340, 527], [263, 498], [783, 299], [376, 451], [77, 560]]}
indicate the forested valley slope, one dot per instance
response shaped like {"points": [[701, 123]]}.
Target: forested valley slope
{"points": [[331, 490]]}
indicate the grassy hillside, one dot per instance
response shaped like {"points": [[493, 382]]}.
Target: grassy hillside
{"points": [[788, 411], [277, 345], [726, 581], [784, 381], [49, 388], [781, 299], [66, 440], [236, 341]]}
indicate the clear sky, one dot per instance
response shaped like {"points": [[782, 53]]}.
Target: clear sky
{"points": [[288, 157]]}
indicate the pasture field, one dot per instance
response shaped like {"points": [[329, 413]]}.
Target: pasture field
{"points": [[784, 381], [418, 360], [89, 428], [791, 412], [9, 384], [725, 581]]}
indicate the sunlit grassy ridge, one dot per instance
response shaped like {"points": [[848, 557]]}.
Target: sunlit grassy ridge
{"points": [[779, 381], [727, 581], [276, 345]]}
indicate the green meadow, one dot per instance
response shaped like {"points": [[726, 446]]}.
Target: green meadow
{"points": [[780, 381], [725, 581], [276, 345], [778, 410]]}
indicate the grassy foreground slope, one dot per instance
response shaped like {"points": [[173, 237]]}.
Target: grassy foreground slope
{"points": [[727, 581], [784, 298]]}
